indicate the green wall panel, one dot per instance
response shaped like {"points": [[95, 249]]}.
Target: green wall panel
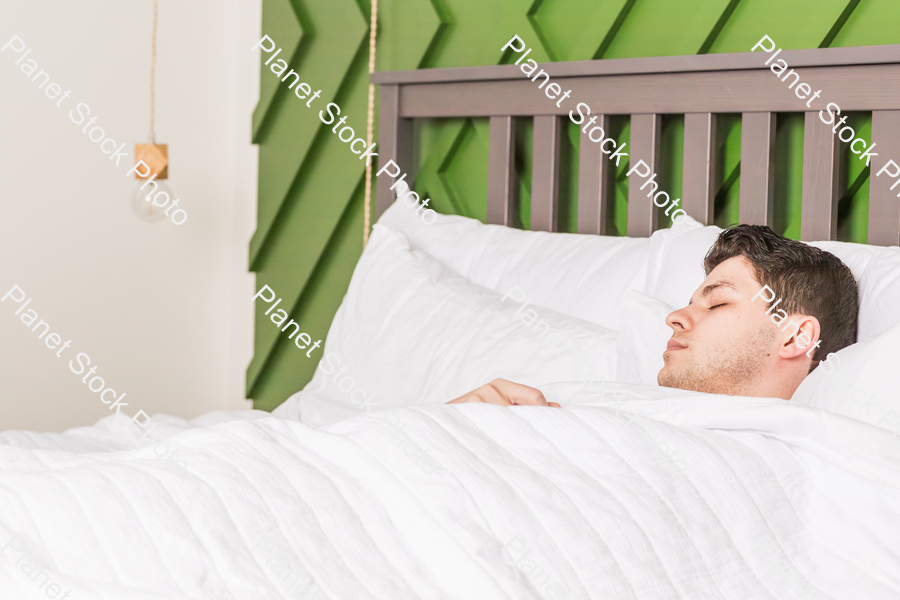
{"points": [[310, 216], [289, 127], [797, 24], [408, 29], [325, 184], [568, 177], [728, 173], [620, 130], [853, 208], [448, 142], [462, 173], [873, 22], [524, 135], [666, 28], [289, 369], [282, 24], [555, 20], [476, 30]]}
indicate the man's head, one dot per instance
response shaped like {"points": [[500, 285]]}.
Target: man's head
{"points": [[723, 342]]}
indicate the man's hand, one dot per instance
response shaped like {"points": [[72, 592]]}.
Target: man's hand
{"points": [[505, 393]]}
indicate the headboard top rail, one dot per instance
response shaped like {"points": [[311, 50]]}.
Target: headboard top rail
{"points": [[735, 61]]}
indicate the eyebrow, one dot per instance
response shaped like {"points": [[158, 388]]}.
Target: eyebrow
{"points": [[709, 289]]}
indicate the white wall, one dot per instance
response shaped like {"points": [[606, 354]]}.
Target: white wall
{"points": [[162, 310]]}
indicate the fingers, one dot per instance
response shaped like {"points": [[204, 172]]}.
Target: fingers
{"points": [[488, 394], [506, 393], [516, 393], [472, 396]]}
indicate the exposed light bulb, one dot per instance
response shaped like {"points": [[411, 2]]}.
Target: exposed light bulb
{"points": [[143, 200]]}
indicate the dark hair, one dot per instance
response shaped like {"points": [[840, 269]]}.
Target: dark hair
{"points": [[810, 281]]}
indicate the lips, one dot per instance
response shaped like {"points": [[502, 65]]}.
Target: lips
{"points": [[673, 345]]}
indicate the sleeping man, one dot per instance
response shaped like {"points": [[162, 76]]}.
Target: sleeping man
{"points": [[728, 339]]}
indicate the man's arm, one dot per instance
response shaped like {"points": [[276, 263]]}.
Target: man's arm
{"points": [[505, 393]]}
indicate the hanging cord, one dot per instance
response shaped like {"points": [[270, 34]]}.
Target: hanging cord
{"points": [[152, 85], [370, 121], [153, 76]]}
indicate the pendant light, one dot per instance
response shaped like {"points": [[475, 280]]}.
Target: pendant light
{"points": [[154, 155]]}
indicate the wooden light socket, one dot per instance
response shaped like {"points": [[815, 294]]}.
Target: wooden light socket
{"points": [[155, 156]]}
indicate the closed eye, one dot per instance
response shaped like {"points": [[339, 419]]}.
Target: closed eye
{"points": [[716, 306]]}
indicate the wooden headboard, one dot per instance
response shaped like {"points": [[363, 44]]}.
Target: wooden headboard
{"points": [[697, 86]]}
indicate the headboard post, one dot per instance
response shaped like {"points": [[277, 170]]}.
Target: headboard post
{"points": [[545, 173], [642, 213], [884, 205], [757, 199], [395, 141], [501, 192], [698, 189], [594, 182], [821, 181]]}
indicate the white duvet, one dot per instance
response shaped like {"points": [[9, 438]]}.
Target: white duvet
{"points": [[626, 492]]}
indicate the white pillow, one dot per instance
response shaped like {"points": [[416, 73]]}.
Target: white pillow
{"points": [[585, 276], [642, 339], [409, 330], [877, 270], [861, 381]]}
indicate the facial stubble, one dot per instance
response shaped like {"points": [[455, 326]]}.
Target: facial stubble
{"points": [[732, 368]]}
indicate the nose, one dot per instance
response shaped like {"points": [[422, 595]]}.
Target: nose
{"points": [[680, 320]]}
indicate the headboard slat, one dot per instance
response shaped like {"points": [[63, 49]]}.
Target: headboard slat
{"points": [[593, 182], [395, 140], [545, 174], [501, 171], [698, 189], [884, 205], [642, 214], [757, 153], [821, 185]]}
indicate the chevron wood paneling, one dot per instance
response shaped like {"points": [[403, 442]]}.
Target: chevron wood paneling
{"points": [[309, 233]]}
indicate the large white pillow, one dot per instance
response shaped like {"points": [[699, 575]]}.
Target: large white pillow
{"points": [[585, 276], [410, 330], [861, 381]]}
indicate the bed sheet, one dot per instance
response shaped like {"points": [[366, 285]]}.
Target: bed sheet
{"points": [[626, 492]]}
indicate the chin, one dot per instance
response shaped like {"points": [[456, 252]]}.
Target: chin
{"points": [[682, 379], [666, 378]]}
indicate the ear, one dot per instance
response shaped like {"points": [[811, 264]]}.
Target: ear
{"points": [[799, 335]]}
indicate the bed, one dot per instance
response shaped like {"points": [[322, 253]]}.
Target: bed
{"points": [[366, 485]]}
